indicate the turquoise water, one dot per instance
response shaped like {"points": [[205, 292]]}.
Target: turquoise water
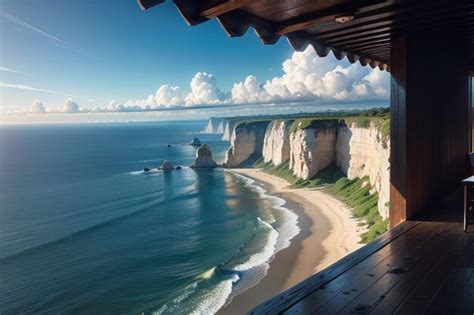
{"points": [[83, 230]]}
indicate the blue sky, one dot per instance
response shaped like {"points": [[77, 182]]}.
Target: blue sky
{"points": [[98, 51]]}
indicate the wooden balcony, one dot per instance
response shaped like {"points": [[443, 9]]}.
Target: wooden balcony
{"points": [[418, 267], [424, 264]]}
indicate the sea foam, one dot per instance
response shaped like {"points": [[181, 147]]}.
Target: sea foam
{"points": [[202, 298], [286, 228]]}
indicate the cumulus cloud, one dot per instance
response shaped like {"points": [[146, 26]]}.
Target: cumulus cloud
{"points": [[307, 76], [249, 91], [204, 90], [129, 107], [70, 106], [169, 96], [37, 107]]}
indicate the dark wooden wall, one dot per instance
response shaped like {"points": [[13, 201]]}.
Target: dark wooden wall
{"points": [[429, 120]]}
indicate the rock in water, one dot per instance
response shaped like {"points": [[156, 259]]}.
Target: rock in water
{"points": [[204, 158], [195, 142], [166, 166]]}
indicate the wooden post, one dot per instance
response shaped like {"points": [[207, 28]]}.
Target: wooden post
{"points": [[429, 120]]}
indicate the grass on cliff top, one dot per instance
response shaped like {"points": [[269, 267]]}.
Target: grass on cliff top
{"points": [[379, 117], [361, 119], [252, 122], [355, 193]]}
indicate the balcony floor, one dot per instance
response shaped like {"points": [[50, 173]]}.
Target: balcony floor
{"points": [[417, 267]]}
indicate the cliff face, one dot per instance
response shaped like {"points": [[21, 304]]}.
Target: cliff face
{"points": [[361, 152], [311, 150], [358, 151], [221, 125], [213, 125], [276, 144], [246, 144], [229, 129]]}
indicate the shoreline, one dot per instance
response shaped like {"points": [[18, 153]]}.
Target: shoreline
{"points": [[327, 233]]}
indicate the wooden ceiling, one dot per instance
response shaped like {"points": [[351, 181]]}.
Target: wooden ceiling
{"points": [[366, 38]]}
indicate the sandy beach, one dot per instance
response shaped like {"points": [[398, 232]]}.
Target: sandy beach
{"points": [[328, 233]]}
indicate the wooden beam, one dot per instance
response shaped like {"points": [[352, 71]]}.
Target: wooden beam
{"points": [[376, 50], [224, 7], [146, 4], [301, 25], [389, 32], [328, 15], [427, 15], [358, 39], [379, 42], [388, 29]]}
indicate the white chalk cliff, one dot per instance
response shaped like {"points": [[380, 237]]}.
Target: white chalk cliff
{"points": [[358, 151], [276, 144], [246, 142], [362, 152], [311, 150], [228, 130], [213, 125]]}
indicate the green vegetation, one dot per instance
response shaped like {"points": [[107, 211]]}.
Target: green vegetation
{"points": [[385, 132], [355, 193], [313, 122], [252, 123], [380, 117]]}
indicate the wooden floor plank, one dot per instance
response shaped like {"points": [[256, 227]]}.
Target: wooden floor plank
{"points": [[362, 275], [426, 268], [285, 300], [393, 299], [427, 255], [456, 296], [420, 298]]}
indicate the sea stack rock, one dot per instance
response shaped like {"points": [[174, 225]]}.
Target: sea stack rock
{"points": [[166, 166], [195, 142], [204, 158]]}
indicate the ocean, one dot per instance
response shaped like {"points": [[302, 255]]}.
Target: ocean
{"points": [[84, 231]]}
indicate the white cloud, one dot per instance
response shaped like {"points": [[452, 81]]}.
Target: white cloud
{"points": [[70, 106], [37, 107], [305, 77], [309, 77], [204, 90], [249, 91], [169, 96], [128, 107]]}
